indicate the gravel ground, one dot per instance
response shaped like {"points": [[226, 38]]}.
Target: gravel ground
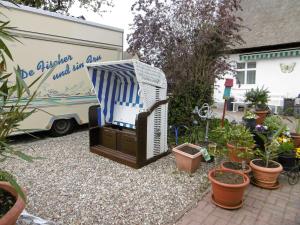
{"points": [[73, 186]]}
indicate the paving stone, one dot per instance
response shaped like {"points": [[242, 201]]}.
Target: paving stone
{"points": [[249, 201], [193, 223], [209, 208], [211, 219], [265, 216], [261, 207], [237, 218], [249, 220], [222, 222]]}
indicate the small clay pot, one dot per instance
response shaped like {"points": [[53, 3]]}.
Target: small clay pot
{"points": [[187, 162], [246, 172], [261, 116], [228, 196], [265, 177], [296, 139], [234, 151], [10, 218]]}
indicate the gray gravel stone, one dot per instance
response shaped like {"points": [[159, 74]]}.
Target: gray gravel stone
{"points": [[73, 186]]}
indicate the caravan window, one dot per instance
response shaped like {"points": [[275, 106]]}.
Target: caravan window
{"points": [[246, 73]]}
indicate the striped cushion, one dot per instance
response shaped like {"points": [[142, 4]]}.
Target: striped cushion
{"points": [[122, 124], [115, 85]]}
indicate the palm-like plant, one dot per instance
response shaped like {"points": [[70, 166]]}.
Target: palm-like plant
{"points": [[258, 98], [15, 97]]}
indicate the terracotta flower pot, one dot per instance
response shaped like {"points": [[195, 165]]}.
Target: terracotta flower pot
{"points": [[265, 177], [296, 139], [185, 161], [13, 214], [234, 151], [261, 116], [247, 171], [229, 196]]}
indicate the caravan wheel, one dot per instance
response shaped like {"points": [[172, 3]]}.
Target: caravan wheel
{"points": [[62, 127]]}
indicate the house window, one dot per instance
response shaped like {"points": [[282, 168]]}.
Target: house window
{"points": [[246, 73]]}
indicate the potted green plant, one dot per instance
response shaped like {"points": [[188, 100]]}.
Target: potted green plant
{"points": [[228, 185], [249, 119], [15, 97], [237, 138], [296, 134], [265, 170], [273, 123], [240, 166], [258, 98], [287, 157]]}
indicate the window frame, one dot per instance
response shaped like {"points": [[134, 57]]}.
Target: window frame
{"points": [[245, 70]]}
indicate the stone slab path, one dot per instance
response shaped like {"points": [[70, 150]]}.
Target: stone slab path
{"points": [[261, 207]]}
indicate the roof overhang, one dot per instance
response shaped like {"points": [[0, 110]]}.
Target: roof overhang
{"points": [[269, 55]]}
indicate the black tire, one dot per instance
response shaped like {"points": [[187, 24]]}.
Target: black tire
{"points": [[62, 127]]}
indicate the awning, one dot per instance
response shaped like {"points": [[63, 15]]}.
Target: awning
{"points": [[270, 55]]}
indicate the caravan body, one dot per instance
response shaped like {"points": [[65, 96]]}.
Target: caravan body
{"points": [[49, 39]]}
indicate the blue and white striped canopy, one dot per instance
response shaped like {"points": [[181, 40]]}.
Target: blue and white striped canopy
{"points": [[117, 91]]}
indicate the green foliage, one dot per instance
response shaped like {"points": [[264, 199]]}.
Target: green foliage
{"points": [[195, 135], [5, 176], [258, 98], [15, 97], [286, 147], [184, 100], [236, 135], [272, 146], [249, 115], [273, 123]]}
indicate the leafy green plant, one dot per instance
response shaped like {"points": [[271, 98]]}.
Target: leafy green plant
{"points": [[15, 97], [249, 115], [271, 145], [273, 123], [258, 98], [184, 99], [236, 135], [195, 134], [286, 147]]}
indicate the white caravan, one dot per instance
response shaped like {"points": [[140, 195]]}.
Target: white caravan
{"points": [[49, 39]]}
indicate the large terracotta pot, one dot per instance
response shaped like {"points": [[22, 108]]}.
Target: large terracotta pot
{"points": [[247, 171], [234, 151], [187, 162], [296, 139], [265, 177], [261, 116], [229, 196], [13, 214]]}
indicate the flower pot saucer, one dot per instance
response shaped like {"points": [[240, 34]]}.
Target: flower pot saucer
{"points": [[276, 186], [225, 206]]}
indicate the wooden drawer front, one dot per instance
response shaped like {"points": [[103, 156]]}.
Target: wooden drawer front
{"points": [[109, 138], [127, 143]]}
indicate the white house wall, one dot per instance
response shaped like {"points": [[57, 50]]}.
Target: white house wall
{"points": [[269, 75]]}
